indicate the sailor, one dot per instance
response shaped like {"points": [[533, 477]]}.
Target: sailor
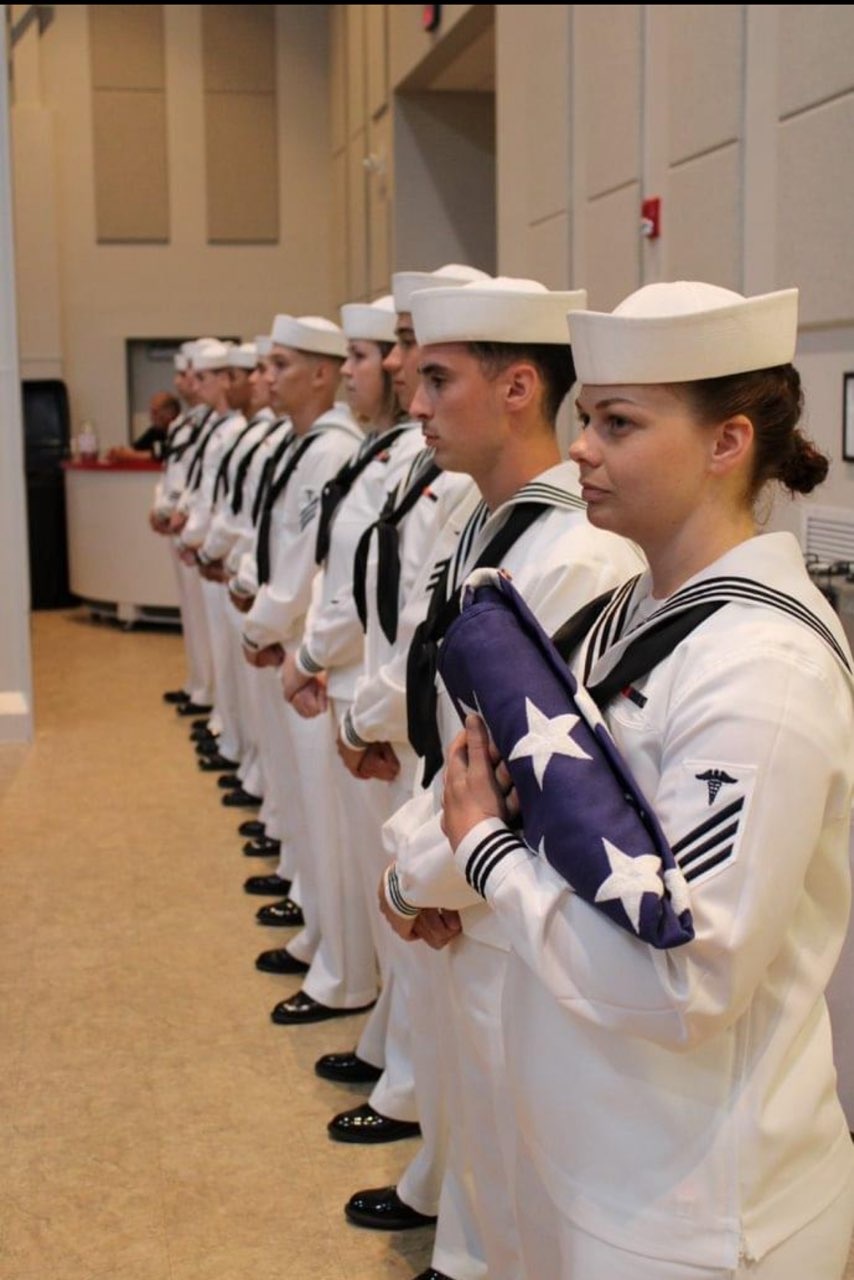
{"points": [[495, 368], [676, 1109], [304, 369], [196, 697], [343, 975]]}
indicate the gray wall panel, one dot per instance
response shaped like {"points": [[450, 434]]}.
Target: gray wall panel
{"points": [[815, 60], [608, 45], [705, 73], [814, 228], [612, 266], [702, 230]]}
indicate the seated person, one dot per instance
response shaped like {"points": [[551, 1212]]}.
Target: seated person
{"points": [[162, 410]]}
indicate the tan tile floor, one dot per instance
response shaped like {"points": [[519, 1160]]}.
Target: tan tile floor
{"points": [[154, 1124]]}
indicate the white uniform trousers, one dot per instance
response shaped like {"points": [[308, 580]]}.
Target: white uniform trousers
{"points": [[458, 1248], [553, 1247], [434, 1182], [250, 772], [281, 812], [385, 1038], [225, 676], [339, 808], [199, 681], [476, 972], [301, 750]]}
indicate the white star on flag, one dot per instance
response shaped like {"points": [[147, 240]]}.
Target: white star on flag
{"points": [[629, 880], [546, 737], [674, 883]]}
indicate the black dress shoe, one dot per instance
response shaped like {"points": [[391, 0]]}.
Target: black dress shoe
{"points": [[203, 735], [384, 1210], [267, 886], [208, 746], [282, 915], [252, 829], [217, 764], [240, 799], [176, 697], [363, 1124], [262, 847], [193, 709], [432, 1274], [280, 960], [347, 1068], [300, 1008], [228, 782], [204, 723]]}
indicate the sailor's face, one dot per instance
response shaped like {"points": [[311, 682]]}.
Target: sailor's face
{"points": [[363, 379], [259, 387], [460, 409], [290, 378], [211, 385], [644, 462], [403, 359]]}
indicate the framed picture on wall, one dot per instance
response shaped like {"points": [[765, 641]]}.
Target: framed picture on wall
{"points": [[848, 417]]}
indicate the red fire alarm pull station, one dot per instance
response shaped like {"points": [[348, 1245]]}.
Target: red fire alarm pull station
{"points": [[431, 16], [651, 218]]}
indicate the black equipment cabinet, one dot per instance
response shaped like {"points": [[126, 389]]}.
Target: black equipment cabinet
{"points": [[46, 446]]}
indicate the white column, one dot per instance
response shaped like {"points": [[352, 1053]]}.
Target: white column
{"points": [[15, 669]]}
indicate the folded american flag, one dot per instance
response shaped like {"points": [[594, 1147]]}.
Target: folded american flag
{"points": [[581, 808]]}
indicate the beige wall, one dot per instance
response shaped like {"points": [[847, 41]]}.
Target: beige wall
{"points": [[740, 117], [413, 143], [79, 300]]}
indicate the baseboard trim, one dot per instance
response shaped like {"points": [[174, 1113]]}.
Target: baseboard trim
{"points": [[16, 720]]}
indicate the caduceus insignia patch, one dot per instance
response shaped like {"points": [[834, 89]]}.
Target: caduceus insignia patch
{"points": [[714, 780]]}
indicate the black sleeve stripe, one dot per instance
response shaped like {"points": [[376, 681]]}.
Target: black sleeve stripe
{"points": [[486, 857], [713, 843], [703, 867], [397, 899], [709, 825]]}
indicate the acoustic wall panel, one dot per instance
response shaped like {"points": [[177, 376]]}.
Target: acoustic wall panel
{"points": [[127, 59], [703, 213], [705, 72], [241, 144]]}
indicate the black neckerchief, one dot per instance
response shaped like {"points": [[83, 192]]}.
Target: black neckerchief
{"points": [[336, 489], [388, 549], [423, 653]]}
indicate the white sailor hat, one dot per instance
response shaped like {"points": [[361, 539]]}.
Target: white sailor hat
{"points": [[210, 353], [499, 310], [181, 362], [243, 355], [372, 322], [314, 334], [263, 345], [405, 283], [684, 331]]}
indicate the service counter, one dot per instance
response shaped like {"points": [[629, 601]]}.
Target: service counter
{"points": [[117, 564]]}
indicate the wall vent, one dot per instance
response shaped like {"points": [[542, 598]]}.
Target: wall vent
{"points": [[828, 534]]}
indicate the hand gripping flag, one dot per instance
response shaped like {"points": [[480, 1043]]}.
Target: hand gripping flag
{"points": [[581, 808]]}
